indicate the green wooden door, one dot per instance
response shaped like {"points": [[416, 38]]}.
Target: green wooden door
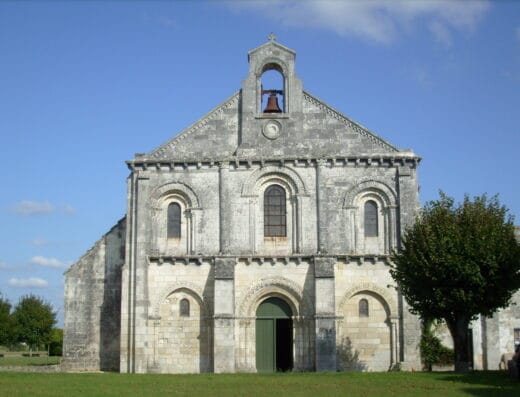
{"points": [[265, 349], [271, 314]]}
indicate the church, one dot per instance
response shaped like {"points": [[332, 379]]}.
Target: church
{"points": [[256, 240]]}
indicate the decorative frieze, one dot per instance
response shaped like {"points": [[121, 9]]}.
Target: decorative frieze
{"points": [[160, 260], [236, 163]]}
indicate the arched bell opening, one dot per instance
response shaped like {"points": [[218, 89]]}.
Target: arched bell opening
{"points": [[274, 336], [272, 90]]}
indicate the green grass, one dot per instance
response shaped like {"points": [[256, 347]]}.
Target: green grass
{"points": [[402, 384], [27, 361]]}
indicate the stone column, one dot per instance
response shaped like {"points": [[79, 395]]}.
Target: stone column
{"points": [[395, 345], [320, 214], [224, 208], [325, 323], [224, 316], [252, 224]]}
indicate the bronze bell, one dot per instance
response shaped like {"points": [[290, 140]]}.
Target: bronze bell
{"points": [[272, 104]]}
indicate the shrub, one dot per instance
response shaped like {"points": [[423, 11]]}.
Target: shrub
{"points": [[432, 350]]}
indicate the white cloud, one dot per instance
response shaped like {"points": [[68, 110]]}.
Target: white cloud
{"points": [[32, 282], [381, 21], [39, 242], [47, 262], [3, 266], [28, 208], [69, 209], [441, 33], [422, 76], [168, 22]]}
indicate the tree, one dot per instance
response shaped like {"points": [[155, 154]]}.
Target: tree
{"points": [[458, 261], [5, 321], [33, 320], [56, 342]]}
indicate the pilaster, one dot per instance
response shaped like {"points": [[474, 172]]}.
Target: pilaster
{"points": [[224, 315], [224, 211], [325, 318]]}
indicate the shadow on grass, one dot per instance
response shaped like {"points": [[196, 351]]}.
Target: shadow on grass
{"points": [[485, 383]]}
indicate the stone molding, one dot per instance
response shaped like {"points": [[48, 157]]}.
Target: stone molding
{"points": [[156, 259], [280, 287], [171, 188], [195, 290], [292, 179], [367, 185], [271, 60], [239, 163], [389, 301]]}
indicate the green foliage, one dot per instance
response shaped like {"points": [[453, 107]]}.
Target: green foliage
{"points": [[34, 320], [348, 357], [458, 261], [56, 343], [432, 350], [5, 321]]}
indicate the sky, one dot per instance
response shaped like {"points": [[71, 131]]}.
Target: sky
{"points": [[84, 85]]}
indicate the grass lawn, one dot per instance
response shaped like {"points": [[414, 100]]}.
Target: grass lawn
{"points": [[27, 361], [478, 384]]}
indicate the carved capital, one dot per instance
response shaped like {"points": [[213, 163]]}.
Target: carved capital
{"points": [[324, 267], [225, 268]]}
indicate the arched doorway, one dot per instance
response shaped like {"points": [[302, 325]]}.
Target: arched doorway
{"points": [[274, 336]]}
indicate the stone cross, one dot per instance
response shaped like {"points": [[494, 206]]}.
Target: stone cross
{"points": [[272, 37]]}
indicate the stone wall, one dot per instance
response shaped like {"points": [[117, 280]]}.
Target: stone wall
{"points": [[92, 306]]}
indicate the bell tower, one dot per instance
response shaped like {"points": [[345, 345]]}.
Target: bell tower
{"points": [[269, 115]]}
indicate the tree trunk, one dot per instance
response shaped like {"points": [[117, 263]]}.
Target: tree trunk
{"points": [[459, 332]]}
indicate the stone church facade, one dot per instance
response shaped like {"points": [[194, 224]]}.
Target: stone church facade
{"points": [[257, 239]]}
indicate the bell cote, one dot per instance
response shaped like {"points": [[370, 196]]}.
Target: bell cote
{"points": [[271, 91]]}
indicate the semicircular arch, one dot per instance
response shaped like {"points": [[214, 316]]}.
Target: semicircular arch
{"points": [[370, 186], [278, 287], [272, 63], [191, 288], [386, 298], [286, 176], [175, 188]]}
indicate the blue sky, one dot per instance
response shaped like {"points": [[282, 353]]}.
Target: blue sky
{"points": [[84, 85]]}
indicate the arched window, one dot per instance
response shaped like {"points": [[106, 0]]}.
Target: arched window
{"points": [[273, 95], [184, 308], [371, 221], [275, 218], [363, 308], [174, 221]]}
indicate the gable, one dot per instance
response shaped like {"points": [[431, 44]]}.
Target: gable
{"points": [[323, 132], [335, 133], [214, 136]]}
